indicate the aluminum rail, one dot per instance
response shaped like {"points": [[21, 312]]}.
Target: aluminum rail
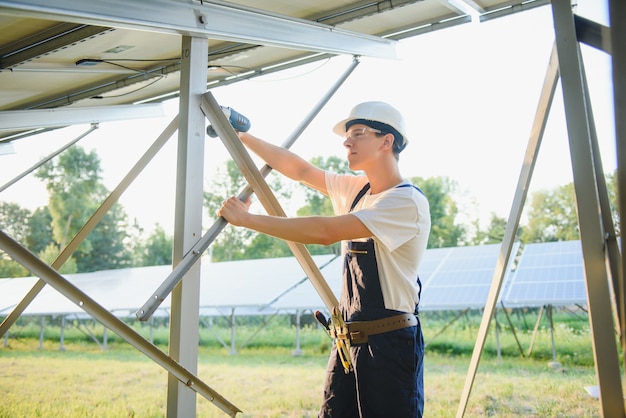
{"points": [[209, 19], [11, 120], [146, 311], [46, 159]]}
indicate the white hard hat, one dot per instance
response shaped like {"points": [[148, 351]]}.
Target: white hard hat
{"points": [[376, 112]]}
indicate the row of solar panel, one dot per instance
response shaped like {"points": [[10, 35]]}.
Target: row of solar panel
{"points": [[453, 279], [544, 274]]}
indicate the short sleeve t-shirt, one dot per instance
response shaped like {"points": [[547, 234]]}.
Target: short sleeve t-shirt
{"points": [[399, 219]]}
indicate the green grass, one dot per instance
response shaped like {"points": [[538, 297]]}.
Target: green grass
{"points": [[264, 379], [120, 382]]}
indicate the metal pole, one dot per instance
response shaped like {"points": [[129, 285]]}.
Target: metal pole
{"points": [[62, 339], [617, 15], [534, 142], [298, 350], [265, 195], [201, 246], [587, 204], [535, 330], [185, 302]]}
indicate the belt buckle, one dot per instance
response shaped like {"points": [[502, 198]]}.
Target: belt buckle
{"points": [[358, 337]]}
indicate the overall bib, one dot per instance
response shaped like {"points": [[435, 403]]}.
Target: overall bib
{"points": [[387, 381]]}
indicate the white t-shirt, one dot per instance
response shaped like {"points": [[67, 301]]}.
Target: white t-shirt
{"points": [[399, 219]]}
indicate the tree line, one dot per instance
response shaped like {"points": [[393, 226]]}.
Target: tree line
{"points": [[75, 189]]}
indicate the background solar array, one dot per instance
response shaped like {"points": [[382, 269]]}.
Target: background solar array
{"points": [[548, 273], [453, 279]]}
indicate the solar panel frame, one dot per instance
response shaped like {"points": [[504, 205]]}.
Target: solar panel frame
{"points": [[458, 278], [549, 273]]}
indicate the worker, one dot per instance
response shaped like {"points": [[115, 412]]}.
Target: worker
{"points": [[384, 223]]}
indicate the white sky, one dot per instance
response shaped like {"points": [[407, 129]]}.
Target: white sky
{"points": [[469, 95]]}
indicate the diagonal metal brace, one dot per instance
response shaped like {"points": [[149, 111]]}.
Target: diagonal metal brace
{"points": [[146, 311], [233, 144], [77, 296], [86, 229], [243, 160]]}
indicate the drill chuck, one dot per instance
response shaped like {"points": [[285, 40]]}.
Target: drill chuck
{"points": [[238, 121]]}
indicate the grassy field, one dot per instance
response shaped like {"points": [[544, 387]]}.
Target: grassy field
{"points": [[268, 381]]}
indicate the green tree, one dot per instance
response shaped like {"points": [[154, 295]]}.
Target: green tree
{"points": [[445, 232], [552, 216], [108, 250], [40, 230], [318, 204], [239, 243], [14, 221], [493, 234], [75, 191], [156, 250], [265, 246], [11, 268], [230, 243], [51, 252]]}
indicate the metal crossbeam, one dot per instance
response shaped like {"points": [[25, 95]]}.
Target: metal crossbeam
{"points": [[209, 19]]}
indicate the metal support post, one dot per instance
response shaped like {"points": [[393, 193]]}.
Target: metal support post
{"points": [[185, 308], [588, 211], [617, 13], [62, 337], [298, 350]]}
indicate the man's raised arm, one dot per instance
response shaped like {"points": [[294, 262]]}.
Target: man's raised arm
{"points": [[286, 162]]}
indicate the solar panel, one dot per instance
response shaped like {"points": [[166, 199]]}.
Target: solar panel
{"points": [[241, 284], [452, 278], [549, 273], [459, 277], [304, 296]]}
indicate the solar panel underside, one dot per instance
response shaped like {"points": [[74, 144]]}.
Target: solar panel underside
{"points": [[549, 273]]}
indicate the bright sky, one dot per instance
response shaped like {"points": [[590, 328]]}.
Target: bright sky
{"points": [[469, 95]]}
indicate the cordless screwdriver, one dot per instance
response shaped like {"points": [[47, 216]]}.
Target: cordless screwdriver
{"points": [[238, 121]]}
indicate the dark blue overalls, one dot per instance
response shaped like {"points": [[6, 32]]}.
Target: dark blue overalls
{"points": [[387, 381]]}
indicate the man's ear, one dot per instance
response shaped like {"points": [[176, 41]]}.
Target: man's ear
{"points": [[388, 142]]}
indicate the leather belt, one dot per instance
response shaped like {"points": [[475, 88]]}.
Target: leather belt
{"points": [[359, 331]]}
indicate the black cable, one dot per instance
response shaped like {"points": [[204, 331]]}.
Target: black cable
{"points": [[130, 92]]}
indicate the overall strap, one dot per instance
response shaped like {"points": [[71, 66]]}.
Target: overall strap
{"points": [[414, 186], [359, 196], [367, 187]]}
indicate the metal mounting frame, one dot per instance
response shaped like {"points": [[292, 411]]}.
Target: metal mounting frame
{"points": [[596, 228]]}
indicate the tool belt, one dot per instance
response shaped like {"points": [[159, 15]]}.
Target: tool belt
{"points": [[359, 331]]}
